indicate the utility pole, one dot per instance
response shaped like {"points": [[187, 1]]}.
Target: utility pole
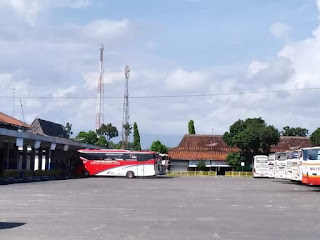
{"points": [[100, 93], [126, 128]]}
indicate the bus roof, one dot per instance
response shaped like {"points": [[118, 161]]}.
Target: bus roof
{"points": [[111, 151], [310, 148]]}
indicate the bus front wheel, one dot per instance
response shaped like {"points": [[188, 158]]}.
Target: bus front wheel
{"points": [[130, 174]]}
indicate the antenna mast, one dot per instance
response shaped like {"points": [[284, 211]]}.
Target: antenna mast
{"points": [[100, 93], [22, 110], [126, 128], [13, 99]]}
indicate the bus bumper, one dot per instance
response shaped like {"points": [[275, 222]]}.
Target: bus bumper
{"points": [[311, 180]]}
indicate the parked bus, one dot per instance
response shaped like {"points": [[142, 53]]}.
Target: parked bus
{"points": [[290, 164], [280, 164], [271, 160], [164, 164], [107, 162], [297, 167], [260, 166], [311, 166]]}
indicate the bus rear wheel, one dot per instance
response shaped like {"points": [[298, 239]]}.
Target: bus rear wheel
{"points": [[130, 174]]}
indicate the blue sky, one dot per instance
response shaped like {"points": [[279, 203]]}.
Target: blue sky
{"points": [[174, 47]]}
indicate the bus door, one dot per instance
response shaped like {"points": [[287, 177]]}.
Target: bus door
{"points": [[140, 164], [133, 158]]}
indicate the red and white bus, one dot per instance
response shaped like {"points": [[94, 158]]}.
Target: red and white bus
{"points": [[109, 162]]}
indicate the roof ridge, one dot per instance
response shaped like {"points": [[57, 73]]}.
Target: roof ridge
{"points": [[49, 121], [202, 135]]}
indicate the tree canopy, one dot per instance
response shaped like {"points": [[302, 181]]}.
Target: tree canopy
{"points": [[201, 165], [234, 159], [68, 128], [157, 146], [87, 137], [136, 138], [102, 142], [315, 137], [108, 130], [294, 131], [191, 127], [253, 136]]}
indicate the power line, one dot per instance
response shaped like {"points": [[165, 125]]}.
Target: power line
{"points": [[169, 96]]}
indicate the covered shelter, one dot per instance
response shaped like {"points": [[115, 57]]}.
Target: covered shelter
{"points": [[31, 147]]}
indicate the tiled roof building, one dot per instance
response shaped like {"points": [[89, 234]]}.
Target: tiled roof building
{"points": [[214, 151], [12, 123], [47, 128], [208, 147]]}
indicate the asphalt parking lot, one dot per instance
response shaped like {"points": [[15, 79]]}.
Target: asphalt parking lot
{"points": [[160, 208]]}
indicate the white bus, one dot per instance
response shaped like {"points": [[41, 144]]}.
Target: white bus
{"points": [[271, 161], [280, 164], [291, 164], [260, 166], [311, 166], [297, 167]]}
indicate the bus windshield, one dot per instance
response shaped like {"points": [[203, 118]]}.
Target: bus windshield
{"points": [[282, 156], [311, 154], [292, 155]]}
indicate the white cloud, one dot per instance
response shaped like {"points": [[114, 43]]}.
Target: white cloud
{"points": [[91, 78], [62, 60], [105, 29], [255, 67], [64, 92], [29, 9], [280, 30], [185, 81]]}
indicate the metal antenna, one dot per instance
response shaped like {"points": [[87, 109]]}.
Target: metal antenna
{"points": [[22, 110], [100, 93], [22, 114], [125, 120], [13, 99]]}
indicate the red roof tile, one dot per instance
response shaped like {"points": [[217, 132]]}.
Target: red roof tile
{"points": [[207, 147], [7, 120]]}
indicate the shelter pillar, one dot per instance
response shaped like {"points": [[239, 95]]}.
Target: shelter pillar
{"points": [[32, 159], [47, 158], [40, 158], [14, 157], [5, 163], [24, 157]]}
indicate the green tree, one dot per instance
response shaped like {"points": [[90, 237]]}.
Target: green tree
{"points": [[136, 138], [294, 131], [68, 129], [87, 137], [315, 137], [102, 142], [191, 127], [253, 136], [127, 131], [234, 159], [201, 165], [119, 145], [157, 146], [108, 130]]}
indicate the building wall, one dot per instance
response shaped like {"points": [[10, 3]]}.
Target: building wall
{"points": [[179, 165]]}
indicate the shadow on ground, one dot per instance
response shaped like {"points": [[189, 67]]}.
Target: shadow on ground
{"points": [[8, 225]]}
